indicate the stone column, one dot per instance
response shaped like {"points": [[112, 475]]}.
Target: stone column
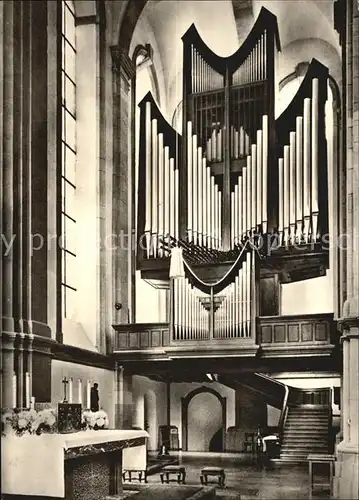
{"points": [[123, 71], [25, 121], [8, 368], [119, 397], [346, 483], [138, 416]]}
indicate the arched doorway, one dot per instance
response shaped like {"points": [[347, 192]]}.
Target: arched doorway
{"points": [[204, 416]]}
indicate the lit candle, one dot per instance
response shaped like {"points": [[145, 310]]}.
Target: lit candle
{"points": [[14, 384], [88, 399], [70, 390], [27, 390], [80, 391]]}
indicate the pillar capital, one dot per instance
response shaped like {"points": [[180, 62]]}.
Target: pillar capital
{"points": [[347, 324], [122, 63]]}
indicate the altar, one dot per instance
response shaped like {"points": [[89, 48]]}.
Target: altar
{"points": [[77, 466]]}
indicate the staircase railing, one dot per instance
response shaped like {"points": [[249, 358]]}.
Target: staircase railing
{"points": [[284, 407], [317, 397], [283, 415]]}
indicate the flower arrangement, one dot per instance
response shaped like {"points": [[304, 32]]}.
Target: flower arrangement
{"points": [[94, 419], [20, 422]]}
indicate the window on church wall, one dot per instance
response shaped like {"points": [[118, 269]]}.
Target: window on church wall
{"points": [[68, 159]]}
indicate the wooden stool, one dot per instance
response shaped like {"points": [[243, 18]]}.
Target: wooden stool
{"points": [[173, 469], [213, 471], [321, 459], [141, 474]]}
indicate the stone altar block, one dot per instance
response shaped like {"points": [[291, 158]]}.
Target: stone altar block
{"points": [[78, 466]]}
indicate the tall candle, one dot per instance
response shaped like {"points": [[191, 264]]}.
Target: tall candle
{"points": [[70, 390], [80, 391], [27, 390], [88, 399], [14, 386]]}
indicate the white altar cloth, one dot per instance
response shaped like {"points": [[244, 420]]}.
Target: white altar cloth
{"points": [[34, 465]]}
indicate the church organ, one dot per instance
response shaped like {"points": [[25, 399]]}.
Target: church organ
{"points": [[235, 179]]}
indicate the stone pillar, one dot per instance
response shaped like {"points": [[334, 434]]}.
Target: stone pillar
{"points": [[346, 483], [119, 397], [138, 417], [123, 72], [24, 164], [8, 369]]}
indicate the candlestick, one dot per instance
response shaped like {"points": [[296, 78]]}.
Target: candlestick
{"points": [[14, 386], [27, 390], [80, 391], [70, 390], [88, 398]]}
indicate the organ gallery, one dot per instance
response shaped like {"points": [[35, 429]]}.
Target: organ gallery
{"points": [[236, 186]]}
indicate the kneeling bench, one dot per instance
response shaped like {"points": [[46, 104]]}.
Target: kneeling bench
{"points": [[127, 475], [213, 471], [173, 469]]}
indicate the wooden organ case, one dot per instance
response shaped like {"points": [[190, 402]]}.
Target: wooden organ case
{"points": [[242, 193]]}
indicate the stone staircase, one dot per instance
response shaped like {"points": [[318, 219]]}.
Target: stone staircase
{"points": [[306, 431]]}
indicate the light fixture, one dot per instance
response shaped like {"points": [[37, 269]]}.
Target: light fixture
{"points": [[176, 264]]}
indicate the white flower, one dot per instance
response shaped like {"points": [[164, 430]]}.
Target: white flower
{"points": [[22, 423], [100, 422]]}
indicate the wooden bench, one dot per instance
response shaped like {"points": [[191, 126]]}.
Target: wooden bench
{"points": [[173, 469], [127, 475], [213, 471]]}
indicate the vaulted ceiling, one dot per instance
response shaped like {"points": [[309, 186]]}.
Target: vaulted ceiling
{"points": [[305, 27]]}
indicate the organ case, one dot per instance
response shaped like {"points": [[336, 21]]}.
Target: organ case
{"points": [[234, 176]]}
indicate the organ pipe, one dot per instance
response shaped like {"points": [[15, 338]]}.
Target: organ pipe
{"points": [[315, 151], [292, 179], [306, 166], [148, 215], [299, 176]]}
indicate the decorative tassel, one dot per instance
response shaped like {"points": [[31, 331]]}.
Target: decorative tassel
{"points": [[176, 265]]}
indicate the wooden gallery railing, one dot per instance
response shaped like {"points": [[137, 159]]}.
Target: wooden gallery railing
{"points": [[314, 330]]}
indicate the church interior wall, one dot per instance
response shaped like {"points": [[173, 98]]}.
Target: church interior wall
{"points": [[104, 378], [315, 296], [149, 406], [251, 411]]}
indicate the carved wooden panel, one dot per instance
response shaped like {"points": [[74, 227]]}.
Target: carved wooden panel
{"points": [[320, 331], [165, 337], [156, 338], [279, 333], [266, 334], [144, 339], [122, 340], [134, 337], [307, 332], [293, 333]]}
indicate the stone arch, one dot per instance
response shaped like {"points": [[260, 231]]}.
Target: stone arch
{"points": [[184, 411], [130, 17]]}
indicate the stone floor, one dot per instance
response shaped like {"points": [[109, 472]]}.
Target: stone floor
{"points": [[248, 481]]}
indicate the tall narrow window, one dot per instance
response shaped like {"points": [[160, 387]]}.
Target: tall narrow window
{"points": [[68, 115]]}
